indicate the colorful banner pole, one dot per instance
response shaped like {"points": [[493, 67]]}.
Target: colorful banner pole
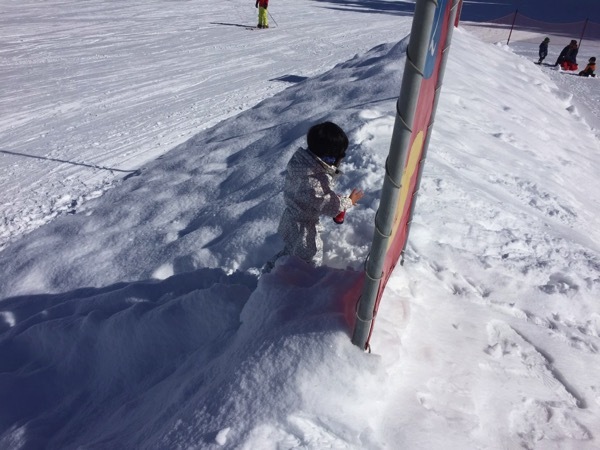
{"points": [[421, 83], [458, 11]]}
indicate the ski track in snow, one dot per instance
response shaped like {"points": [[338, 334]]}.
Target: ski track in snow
{"points": [[488, 337], [112, 87]]}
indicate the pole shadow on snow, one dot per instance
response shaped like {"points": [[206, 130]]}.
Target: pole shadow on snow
{"points": [[92, 166], [240, 25]]}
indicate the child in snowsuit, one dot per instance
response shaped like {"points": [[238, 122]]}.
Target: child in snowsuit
{"points": [[543, 50], [308, 192], [589, 69], [262, 13], [568, 57]]}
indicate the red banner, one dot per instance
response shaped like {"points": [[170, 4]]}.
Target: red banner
{"points": [[421, 123]]}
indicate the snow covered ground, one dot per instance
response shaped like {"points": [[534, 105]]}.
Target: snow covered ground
{"points": [[91, 91], [133, 318]]}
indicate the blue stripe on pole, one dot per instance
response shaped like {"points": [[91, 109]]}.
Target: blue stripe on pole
{"points": [[436, 37]]}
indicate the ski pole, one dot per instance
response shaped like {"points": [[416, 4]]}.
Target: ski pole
{"points": [[272, 18]]}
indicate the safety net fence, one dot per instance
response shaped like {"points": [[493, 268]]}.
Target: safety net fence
{"points": [[517, 28]]}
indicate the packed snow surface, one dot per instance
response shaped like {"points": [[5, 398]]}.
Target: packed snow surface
{"points": [[143, 151]]}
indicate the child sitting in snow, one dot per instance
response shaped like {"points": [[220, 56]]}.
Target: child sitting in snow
{"points": [[308, 192], [589, 69]]}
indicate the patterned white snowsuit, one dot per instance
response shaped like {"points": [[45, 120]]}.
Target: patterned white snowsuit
{"points": [[308, 194]]}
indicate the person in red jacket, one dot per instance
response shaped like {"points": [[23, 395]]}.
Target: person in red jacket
{"points": [[262, 13]]}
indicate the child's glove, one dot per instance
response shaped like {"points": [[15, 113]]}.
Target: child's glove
{"points": [[339, 219]]}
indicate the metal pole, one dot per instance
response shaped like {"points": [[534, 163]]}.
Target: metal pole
{"points": [[394, 166], [583, 31], [438, 88], [458, 11], [512, 26]]}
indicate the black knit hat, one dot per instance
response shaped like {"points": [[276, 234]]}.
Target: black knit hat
{"points": [[327, 139]]}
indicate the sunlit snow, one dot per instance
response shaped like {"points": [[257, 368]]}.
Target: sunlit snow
{"points": [[143, 148]]}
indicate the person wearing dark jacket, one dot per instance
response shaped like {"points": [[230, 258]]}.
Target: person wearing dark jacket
{"points": [[543, 50], [568, 57], [589, 69]]}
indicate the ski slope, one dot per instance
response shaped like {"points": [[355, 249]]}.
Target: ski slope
{"points": [[92, 91], [134, 317]]}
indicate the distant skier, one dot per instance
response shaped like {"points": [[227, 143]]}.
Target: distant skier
{"points": [[589, 69], [543, 50], [308, 193], [568, 56], [262, 6]]}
